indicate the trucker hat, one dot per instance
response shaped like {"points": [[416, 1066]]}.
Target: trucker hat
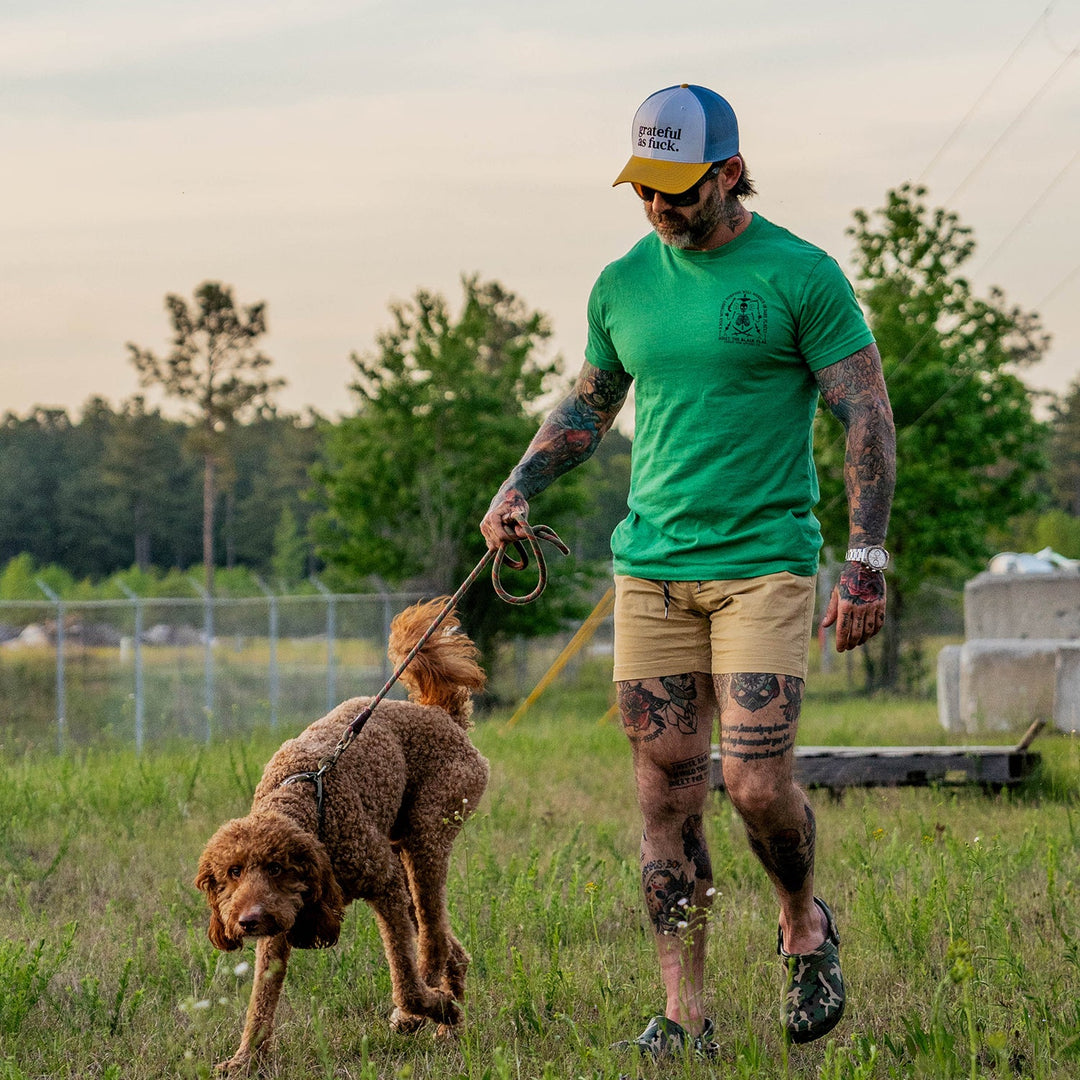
{"points": [[678, 133]]}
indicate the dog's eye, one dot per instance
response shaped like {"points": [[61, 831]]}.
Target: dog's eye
{"points": [[274, 869], [235, 871]]}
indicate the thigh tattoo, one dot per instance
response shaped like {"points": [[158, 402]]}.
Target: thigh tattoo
{"points": [[647, 716], [755, 742]]}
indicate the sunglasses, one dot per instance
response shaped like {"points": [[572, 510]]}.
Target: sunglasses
{"points": [[681, 198]]}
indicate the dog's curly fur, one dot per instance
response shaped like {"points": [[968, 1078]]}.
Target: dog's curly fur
{"points": [[393, 804]]}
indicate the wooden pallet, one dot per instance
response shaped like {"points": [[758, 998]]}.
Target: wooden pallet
{"points": [[892, 766]]}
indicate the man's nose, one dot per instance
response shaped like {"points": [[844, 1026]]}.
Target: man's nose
{"points": [[659, 203]]}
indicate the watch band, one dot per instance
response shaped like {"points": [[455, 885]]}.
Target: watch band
{"points": [[873, 556]]}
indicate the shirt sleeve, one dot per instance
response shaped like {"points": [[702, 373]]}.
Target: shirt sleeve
{"points": [[831, 324], [600, 349]]}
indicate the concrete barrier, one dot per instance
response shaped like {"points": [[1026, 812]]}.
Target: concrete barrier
{"points": [[1004, 685], [1067, 688], [948, 687], [1022, 606]]}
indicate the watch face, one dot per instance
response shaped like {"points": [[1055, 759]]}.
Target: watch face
{"points": [[877, 558]]}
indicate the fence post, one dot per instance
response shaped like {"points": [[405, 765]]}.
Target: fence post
{"points": [[208, 654], [136, 601], [331, 643], [275, 682], [61, 690]]}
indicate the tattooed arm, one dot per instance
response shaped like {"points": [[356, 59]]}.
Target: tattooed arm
{"points": [[567, 438], [854, 389]]}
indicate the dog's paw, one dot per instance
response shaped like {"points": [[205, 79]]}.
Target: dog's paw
{"points": [[445, 1010], [238, 1065], [406, 1023], [446, 1032]]}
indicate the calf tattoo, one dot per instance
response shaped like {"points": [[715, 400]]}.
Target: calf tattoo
{"points": [[788, 855], [665, 883], [668, 888], [647, 716], [695, 848]]}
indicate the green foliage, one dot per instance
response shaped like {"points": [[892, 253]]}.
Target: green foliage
{"points": [[1065, 451], [443, 416], [152, 482], [968, 444], [1055, 529], [289, 560]]}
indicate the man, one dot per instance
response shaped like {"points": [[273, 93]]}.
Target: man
{"points": [[729, 328]]}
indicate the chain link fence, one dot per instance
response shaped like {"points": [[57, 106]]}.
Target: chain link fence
{"points": [[142, 671]]}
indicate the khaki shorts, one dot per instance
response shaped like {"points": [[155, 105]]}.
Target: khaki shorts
{"points": [[758, 624]]}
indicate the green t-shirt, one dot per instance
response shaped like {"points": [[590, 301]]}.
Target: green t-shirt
{"points": [[722, 346]]}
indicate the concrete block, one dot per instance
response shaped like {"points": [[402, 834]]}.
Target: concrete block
{"points": [[1067, 688], [1005, 685], [1024, 606], [948, 687]]}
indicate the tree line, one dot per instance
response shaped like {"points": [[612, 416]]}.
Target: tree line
{"points": [[446, 401]]}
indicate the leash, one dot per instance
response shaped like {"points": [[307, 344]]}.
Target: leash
{"points": [[533, 535]]}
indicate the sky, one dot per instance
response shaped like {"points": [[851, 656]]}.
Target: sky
{"points": [[331, 157]]}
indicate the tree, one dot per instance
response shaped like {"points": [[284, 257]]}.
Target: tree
{"points": [[444, 415], [968, 444], [273, 457], [144, 465], [1065, 450], [215, 368]]}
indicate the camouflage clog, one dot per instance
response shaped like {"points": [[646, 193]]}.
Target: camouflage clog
{"points": [[663, 1038], [814, 988]]}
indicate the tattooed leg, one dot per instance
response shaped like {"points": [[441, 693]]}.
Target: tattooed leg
{"points": [[759, 716], [669, 723]]}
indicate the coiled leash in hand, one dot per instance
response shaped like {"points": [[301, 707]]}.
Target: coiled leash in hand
{"points": [[533, 535]]}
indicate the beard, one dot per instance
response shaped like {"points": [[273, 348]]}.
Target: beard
{"points": [[678, 231]]}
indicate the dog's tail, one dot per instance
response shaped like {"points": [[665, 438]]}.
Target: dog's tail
{"points": [[446, 671]]}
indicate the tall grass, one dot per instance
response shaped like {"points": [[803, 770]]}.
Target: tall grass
{"points": [[959, 913]]}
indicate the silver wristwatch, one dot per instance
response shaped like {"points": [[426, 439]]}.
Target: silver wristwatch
{"points": [[877, 558]]}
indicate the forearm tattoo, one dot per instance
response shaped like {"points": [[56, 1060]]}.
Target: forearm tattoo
{"points": [[753, 691], [646, 716], [572, 431], [788, 855], [854, 389]]}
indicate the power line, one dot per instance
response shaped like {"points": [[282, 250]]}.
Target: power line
{"points": [[986, 90], [1031, 210], [1016, 120]]}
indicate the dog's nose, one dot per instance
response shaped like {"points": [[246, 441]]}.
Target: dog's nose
{"points": [[250, 920]]}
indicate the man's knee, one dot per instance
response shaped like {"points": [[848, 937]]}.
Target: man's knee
{"points": [[756, 791]]}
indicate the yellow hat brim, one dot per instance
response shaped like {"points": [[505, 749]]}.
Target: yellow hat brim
{"points": [[669, 177]]}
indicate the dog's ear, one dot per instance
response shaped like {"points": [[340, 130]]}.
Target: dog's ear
{"points": [[209, 883], [318, 923]]}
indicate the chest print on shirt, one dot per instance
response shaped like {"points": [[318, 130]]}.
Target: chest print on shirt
{"points": [[744, 319]]}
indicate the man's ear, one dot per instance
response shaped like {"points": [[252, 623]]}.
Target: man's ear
{"points": [[730, 172]]}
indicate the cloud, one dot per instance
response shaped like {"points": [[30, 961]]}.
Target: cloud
{"points": [[99, 37]]}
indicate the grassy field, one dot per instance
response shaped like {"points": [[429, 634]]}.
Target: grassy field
{"points": [[959, 912]]}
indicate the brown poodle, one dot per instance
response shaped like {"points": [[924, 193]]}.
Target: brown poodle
{"points": [[392, 806]]}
